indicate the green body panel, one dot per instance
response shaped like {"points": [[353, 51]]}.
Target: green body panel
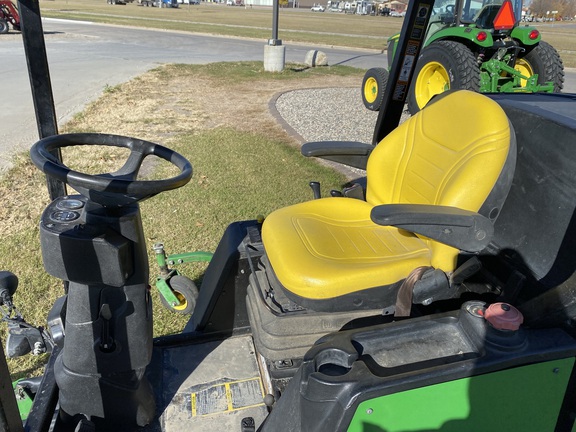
{"points": [[526, 399], [522, 35], [23, 400], [461, 34], [166, 291]]}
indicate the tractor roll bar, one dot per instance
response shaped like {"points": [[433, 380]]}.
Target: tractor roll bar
{"points": [[35, 50], [409, 46]]}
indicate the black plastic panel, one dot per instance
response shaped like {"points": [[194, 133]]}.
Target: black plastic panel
{"points": [[349, 367]]}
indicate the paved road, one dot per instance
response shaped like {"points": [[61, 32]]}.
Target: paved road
{"points": [[85, 57]]}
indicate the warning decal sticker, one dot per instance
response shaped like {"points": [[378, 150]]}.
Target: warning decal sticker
{"points": [[227, 397]]}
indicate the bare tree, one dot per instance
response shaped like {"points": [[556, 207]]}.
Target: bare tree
{"points": [[539, 7], [543, 8], [568, 8]]}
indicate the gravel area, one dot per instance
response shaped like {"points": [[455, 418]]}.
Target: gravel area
{"points": [[327, 114]]}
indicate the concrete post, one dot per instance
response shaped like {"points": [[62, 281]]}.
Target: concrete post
{"points": [[274, 58]]}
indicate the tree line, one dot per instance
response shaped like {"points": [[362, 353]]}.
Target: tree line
{"points": [[546, 8]]}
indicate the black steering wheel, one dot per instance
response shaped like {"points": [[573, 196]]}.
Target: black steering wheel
{"points": [[115, 189]]}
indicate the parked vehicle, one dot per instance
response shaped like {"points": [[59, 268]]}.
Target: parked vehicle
{"points": [[159, 3], [119, 2], [317, 8], [335, 6], [383, 10], [8, 16]]}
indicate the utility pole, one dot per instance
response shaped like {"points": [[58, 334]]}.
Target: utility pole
{"points": [[274, 51]]}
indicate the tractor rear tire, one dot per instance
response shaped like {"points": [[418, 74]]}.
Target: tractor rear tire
{"points": [[186, 291], [444, 65], [545, 61], [373, 86], [3, 26]]}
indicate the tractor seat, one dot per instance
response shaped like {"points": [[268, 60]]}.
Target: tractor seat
{"points": [[484, 19], [435, 186]]}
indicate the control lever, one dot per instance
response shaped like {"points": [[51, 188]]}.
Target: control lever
{"points": [[469, 268], [106, 339], [354, 191], [22, 337], [316, 189], [336, 193]]}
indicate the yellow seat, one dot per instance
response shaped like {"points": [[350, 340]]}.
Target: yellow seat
{"points": [[452, 154]]}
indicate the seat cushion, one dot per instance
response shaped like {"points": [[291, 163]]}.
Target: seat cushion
{"points": [[318, 256], [451, 153]]}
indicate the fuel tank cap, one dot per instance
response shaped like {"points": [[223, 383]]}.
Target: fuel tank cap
{"points": [[503, 316]]}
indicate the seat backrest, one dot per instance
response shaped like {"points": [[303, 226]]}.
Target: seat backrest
{"points": [[451, 153], [485, 17]]}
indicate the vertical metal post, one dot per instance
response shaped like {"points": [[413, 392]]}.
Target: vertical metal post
{"points": [[275, 12], [35, 50], [9, 414], [409, 47], [46, 399]]}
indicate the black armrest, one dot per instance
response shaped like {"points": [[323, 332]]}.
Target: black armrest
{"points": [[352, 153], [463, 229]]}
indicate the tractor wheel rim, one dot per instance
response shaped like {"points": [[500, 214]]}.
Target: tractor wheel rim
{"points": [[370, 90], [183, 303], [525, 69], [433, 79]]}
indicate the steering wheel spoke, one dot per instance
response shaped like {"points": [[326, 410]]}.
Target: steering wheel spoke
{"points": [[131, 167], [116, 189]]}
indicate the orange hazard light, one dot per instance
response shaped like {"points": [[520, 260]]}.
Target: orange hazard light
{"points": [[505, 18]]}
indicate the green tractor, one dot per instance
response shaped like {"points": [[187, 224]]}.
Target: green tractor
{"points": [[474, 45], [441, 299]]}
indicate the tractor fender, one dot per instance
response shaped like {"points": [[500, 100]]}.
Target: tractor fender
{"points": [[392, 44], [465, 35], [522, 35]]}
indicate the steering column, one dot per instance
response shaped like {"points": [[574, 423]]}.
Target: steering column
{"points": [[95, 241]]}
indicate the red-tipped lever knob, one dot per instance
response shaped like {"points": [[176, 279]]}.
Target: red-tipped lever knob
{"points": [[503, 316]]}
